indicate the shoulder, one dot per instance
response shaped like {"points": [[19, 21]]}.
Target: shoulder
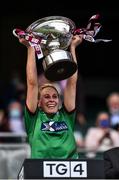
{"points": [[64, 110], [112, 151], [115, 149]]}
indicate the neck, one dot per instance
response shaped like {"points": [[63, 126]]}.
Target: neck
{"points": [[50, 115]]}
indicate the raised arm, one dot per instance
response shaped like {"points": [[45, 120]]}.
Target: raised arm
{"points": [[31, 76], [70, 89]]}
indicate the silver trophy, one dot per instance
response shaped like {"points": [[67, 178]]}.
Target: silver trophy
{"points": [[56, 34]]}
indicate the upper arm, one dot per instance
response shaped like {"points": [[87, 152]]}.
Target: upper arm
{"points": [[29, 119], [32, 98], [70, 95]]}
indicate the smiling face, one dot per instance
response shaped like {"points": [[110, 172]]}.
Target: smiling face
{"points": [[49, 100]]}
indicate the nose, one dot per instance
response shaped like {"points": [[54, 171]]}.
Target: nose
{"points": [[51, 98]]}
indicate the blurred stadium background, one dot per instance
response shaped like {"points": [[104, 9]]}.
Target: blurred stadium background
{"points": [[98, 65]]}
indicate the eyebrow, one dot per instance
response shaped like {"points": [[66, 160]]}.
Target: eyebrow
{"points": [[49, 94]]}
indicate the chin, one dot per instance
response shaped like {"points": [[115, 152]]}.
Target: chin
{"points": [[51, 111]]}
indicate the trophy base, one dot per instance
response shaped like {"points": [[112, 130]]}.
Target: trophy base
{"points": [[59, 65], [60, 70]]}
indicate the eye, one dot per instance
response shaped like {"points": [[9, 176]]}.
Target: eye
{"points": [[55, 96], [47, 96]]}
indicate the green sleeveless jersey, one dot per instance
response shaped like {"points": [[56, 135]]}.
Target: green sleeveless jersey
{"points": [[51, 136]]}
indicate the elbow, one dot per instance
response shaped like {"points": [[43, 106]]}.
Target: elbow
{"points": [[32, 82]]}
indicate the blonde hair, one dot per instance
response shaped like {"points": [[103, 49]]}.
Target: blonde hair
{"points": [[45, 86]]}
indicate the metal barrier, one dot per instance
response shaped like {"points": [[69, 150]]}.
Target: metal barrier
{"points": [[12, 154]]}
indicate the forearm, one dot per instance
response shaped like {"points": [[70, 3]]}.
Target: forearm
{"points": [[76, 40], [70, 89], [31, 69], [73, 52], [73, 78]]}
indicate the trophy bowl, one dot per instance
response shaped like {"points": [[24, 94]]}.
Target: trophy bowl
{"points": [[55, 34]]}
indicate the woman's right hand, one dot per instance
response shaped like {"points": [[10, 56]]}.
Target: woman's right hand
{"points": [[24, 42]]}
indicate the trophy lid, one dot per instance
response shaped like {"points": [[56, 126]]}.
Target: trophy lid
{"points": [[53, 27]]}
